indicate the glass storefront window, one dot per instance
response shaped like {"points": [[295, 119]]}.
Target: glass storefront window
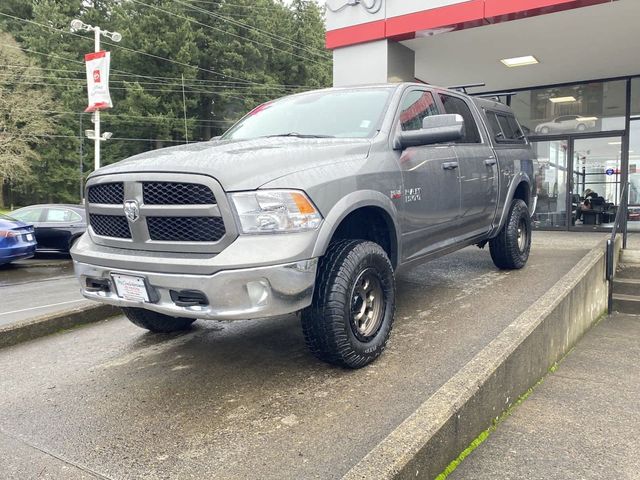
{"points": [[584, 108], [635, 96]]}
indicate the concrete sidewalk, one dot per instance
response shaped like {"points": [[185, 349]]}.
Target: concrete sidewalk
{"points": [[582, 422]]}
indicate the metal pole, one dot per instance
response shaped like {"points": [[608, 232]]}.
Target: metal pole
{"points": [[96, 147], [81, 160], [184, 109]]}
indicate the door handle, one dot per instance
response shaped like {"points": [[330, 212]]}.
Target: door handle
{"points": [[450, 165], [490, 162]]}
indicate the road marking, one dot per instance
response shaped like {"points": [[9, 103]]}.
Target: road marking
{"points": [[37, 281], [42, 306]]}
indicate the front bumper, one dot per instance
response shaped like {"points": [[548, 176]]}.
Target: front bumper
{"points": [[231, 294]]}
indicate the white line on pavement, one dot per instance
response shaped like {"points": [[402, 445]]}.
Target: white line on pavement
{"points": [[42, 306]]}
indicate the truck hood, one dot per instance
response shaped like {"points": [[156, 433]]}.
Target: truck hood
{"points": [[244, 164]]}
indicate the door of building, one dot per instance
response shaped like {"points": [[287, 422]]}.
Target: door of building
{"points": [[579, 182]]}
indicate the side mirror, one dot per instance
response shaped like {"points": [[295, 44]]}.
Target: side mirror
{"points": [[214, 139], [435, 129]]}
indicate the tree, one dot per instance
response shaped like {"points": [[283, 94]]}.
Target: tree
{"points": [[23, 124], [232, 54]]}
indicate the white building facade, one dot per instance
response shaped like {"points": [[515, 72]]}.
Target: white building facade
{"points": [[573, 67]]}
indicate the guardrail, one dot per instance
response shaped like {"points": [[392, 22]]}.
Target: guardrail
{"points": [[619, 223]]}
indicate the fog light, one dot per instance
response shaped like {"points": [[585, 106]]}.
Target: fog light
{"points": [[258, 292]]}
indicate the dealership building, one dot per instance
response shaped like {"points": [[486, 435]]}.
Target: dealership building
{"points": [[571, 69]]}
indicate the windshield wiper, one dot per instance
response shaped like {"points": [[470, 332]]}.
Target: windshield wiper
{"points": [[299, 135]]}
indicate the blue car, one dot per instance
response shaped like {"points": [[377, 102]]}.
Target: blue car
{"points": [[17, 240]]}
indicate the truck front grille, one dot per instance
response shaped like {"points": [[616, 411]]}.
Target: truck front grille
{"points": [[107, 193], [166, 212], [186, 229], [173, 193], [115, 226]]}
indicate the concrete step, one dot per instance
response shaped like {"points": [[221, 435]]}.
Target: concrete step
{"points": [[626, 304], [626, 286], [630, 256], [628, 270]]}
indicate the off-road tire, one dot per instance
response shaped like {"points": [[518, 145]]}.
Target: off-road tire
{"points": [[509, 251], [330, 326], [156, 322]]}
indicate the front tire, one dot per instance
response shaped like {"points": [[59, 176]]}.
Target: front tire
{"points": [[156, 322], [350, 319], [510, 249]]}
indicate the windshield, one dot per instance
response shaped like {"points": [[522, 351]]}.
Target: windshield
{"points": [[330, 113], [8, 218]]}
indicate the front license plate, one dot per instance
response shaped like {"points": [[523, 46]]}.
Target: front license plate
{"points": [[130, 288], [29, 237]]}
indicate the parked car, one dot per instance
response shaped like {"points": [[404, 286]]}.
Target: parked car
{"points": [[567, 123], [56, 227], [310, 203], [17, 240]]}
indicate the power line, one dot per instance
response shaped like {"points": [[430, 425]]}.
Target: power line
{"points": [[166, 140], [289, 42], [157, 57], [223, 31], [81, 84], [227, 83], [108, 114], [210, 88]]}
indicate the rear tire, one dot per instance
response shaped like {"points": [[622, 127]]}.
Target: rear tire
{"points": [[156, 322], [510, 249], [350, 319]]}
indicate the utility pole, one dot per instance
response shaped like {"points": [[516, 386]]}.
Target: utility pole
{"points": [[77, 25]]}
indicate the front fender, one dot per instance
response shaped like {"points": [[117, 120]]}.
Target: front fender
{"points": [[348, 204]]}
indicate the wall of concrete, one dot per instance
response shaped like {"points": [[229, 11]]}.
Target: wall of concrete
{"points": [[374, 62], [445, 424]]}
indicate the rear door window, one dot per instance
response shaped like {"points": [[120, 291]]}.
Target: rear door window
{"points": [[62, 215]]}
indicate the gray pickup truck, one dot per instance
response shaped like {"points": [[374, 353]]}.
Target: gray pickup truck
{"points": [[309, 204]]}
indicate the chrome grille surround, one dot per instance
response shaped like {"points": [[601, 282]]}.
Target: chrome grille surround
{"points": [[178, 227]]}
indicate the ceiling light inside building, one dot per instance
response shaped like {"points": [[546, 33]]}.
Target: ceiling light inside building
{"points": [[562, 99], [520, 61], [615, 143]]}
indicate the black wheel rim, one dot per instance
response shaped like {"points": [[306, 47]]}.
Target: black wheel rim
{"points": [[367, 305]]}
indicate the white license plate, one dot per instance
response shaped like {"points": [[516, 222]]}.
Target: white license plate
{"points": [[29, 237], [130, 288]]}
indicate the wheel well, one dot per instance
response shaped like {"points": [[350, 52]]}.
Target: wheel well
{"points": [[372, 224], [522, 193]]}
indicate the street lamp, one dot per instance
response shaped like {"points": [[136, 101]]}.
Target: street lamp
{"points": [[77, 26]]}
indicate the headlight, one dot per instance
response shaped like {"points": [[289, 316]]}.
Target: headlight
{"points": [[275, 211]]}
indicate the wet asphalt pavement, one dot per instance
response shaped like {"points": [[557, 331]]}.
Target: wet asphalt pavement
{"points": [[246, 399], [38, 286]]}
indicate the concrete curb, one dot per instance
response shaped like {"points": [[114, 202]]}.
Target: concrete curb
{"points": [[446, 423], [51, 323]]}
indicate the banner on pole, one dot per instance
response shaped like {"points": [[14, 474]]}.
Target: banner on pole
{"points": [[98, 80]]}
